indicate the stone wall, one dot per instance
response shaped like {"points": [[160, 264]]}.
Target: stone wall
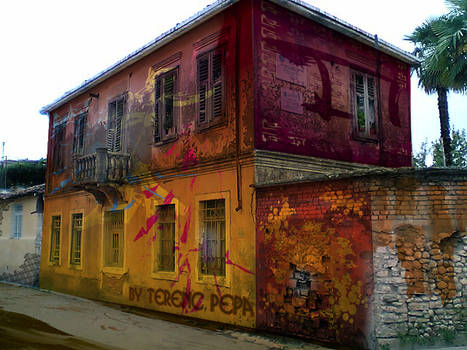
{"points": [[420, 267], [414, 279]]}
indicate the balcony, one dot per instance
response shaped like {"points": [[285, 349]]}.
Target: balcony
{"points": [[101, 167]]}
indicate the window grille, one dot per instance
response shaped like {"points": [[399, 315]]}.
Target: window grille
{"points": [[212, 237]]}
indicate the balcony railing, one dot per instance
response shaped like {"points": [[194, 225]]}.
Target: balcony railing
{"points": [[102, 166]]}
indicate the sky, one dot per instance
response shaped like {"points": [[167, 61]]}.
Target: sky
{"points": [[51, 46]]}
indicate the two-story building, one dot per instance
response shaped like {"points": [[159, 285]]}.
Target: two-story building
{"points": [[152, 163]]}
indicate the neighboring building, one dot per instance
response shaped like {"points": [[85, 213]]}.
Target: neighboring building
{"points": [[150, 197], [21, 235]]}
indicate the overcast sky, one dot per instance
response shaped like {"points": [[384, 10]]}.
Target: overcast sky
{"points": [[49, 47]]}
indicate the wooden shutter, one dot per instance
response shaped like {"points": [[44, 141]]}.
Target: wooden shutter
{"points": [[203, 77], [111, 127], [169, 82], [118, 126], [217, 84], [157, 111]]}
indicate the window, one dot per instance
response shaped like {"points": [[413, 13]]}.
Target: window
{"points": [[76, 236], [55, 239], [58, 137], [165, 247], [78, 133], [211, 87], [165, 122], [114, 125], [212, 237], [17, 221], [113, 238], [364, 102]]}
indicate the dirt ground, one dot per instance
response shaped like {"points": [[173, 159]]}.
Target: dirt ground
{"points": [[32, 319]]}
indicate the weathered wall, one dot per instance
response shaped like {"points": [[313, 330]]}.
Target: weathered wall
{"points": [[420, 259], [314, 262], [15, 253], [385, 254], [303, 84], [230, 30], [231, 299]]}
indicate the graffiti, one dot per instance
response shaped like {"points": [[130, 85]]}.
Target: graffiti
{"points": [[144, 231], [61, 186], [227, 304], [230, 262]]}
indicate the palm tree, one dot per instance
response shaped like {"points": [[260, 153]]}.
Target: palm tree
{"points": [[441, 44]]}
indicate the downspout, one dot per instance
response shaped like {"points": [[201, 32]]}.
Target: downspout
{"points": [[237, 112]]}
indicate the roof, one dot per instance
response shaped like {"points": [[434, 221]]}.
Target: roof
{"points": [[297, 6], [30, 191], [431, 174]]}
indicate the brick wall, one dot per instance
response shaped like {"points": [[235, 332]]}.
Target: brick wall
{"points": [[377, 261]]}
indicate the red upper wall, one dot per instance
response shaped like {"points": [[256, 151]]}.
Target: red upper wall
{"points": [[303, 100], [229, 30]]}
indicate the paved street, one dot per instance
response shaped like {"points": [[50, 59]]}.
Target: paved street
{"points": [[35, 319]]}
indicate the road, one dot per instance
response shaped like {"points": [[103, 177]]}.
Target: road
{"points": [[35, 319]]}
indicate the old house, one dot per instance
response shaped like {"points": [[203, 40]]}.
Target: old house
{"points": [[153, 164], [21, 235]]}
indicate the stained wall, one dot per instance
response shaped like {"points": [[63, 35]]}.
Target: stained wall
{"points": [[302, 99]]}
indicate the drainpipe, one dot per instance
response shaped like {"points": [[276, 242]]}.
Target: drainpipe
{"points": [[237, 112]]}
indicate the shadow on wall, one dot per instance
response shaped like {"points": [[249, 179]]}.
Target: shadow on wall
{"points": [[28, 272]]}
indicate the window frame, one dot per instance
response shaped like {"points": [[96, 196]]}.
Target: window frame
{"points": [[53, 243], [364, 135], [112, 148], [57, 157], [159, 135], [210, 119], [15, 223], [71, 264], [106, 240], [80, 125], [202, 278], [160, 274]]}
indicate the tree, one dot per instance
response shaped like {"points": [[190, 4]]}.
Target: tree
{"points": [[24, 174], [441, 44], [459, 151]]}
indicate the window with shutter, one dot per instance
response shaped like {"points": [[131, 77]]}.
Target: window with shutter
{"points": [[165, 121], [211, 87], [76, 237], [58, 138], [364, 100], [114, 125], [165, 245], [17, 221], [55, 240], [114, 238], [78, 133]]}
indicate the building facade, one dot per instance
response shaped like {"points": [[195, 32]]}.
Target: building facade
{"points": [[150, 197], [21, 235]]}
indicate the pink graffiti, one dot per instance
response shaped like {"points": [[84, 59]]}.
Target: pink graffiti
{"points": [[144, 231], [149, 194], [189, 159], [168, 198], [170, 151], [184, 236], [192, 183], [230, 262], [217, 286], [186, 300]]}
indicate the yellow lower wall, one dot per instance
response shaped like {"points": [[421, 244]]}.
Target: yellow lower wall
{"points": [[231, 299]]}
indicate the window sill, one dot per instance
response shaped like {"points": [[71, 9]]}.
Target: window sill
{"points": [[210, 126], [114, 270], [53, 263], [221, 281], [165, 141], [365, 139], [75, 267], [162, 275]]}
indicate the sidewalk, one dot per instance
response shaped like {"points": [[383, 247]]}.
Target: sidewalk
{"points": [[59, 321]]}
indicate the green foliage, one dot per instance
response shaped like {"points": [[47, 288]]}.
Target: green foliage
{"points": [[384, 347], [23, 174], [459, 151]]}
